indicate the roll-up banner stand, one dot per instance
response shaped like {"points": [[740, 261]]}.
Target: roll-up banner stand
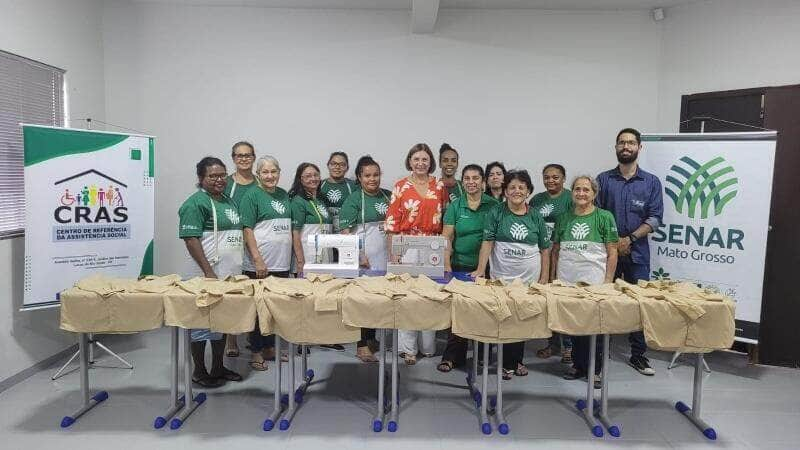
{"points": [[717, 191], [89, 208]]}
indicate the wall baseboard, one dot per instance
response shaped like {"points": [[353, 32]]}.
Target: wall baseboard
{"points": [[41, 365]]}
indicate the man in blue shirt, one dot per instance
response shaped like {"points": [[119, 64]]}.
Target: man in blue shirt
{"points": [[634, 197]]}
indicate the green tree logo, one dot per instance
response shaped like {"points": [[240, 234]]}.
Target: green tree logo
{"points": [[660, 274], [697, 187]]}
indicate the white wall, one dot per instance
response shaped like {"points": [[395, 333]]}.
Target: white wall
{"points": [[66, 35], [721, 45], [526, 87]]}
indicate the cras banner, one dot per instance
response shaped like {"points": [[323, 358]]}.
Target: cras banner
{"points": [[89, 208], [716, 189]]}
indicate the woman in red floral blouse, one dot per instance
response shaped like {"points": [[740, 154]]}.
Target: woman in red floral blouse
{"points": [[416, 208]]}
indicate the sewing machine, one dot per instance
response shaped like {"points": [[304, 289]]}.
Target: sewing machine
{"points": [[419, 255], [343, 245]]}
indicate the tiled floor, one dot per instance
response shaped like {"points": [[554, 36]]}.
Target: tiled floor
{"points": [[750, 407]]}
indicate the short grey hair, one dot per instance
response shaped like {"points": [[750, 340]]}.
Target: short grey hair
{"points": [[267, 159], [590, 179]]}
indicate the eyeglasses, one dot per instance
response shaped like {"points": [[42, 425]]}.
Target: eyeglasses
{"points": [[216, 177], [337, 164], [243, 156], [622, 144], [309, 177]]}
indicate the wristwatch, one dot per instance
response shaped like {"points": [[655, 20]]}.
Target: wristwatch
{"points": [[632, 237]]}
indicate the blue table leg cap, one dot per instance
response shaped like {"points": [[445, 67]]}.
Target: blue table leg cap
{"points": [[710, 433], [613, 430], [476, 395], [100, 396], [285, 399], [175, 424], [377, 425], [284, 425], [597, 431], [492, 401], [310, 374], [580, 404], [200, 398], [392, 427], [269, 424], [681, 407], [67, 421], [503, 428], [486, 428], [159, 423], [478, 402]]}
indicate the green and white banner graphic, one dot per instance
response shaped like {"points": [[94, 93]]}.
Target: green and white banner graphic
{"points": [[717, 190], [89, 208]]}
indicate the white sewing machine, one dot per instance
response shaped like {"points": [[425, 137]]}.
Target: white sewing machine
{"points": [[419, 255], [346, 246]]}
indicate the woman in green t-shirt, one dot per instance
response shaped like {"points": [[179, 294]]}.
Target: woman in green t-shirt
{"points": [[463, 228], [364, 213], [337, 187], [238, 184], [551, 204], [309, 216], [585, 251], [516, 239], [212, 232], [267, 221]]}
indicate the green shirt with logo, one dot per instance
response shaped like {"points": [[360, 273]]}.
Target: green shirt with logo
{"points": [[518, 241], [582, 243], [335, 194], [366, 213], [310, 216], [468, 228], [223, 248], [550, 208], [236, 191], [269, 215]]}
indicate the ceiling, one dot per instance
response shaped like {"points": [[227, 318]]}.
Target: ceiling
{"points": [[595, 5]]}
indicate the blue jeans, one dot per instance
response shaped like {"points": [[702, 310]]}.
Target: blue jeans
{"points": [[632, 273]]}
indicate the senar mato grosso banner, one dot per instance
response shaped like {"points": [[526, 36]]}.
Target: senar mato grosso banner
{"points": [[89, 208], [717, 190]]}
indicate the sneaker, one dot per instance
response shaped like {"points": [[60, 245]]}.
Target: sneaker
{"points": [[642, 365], [573, 374]]}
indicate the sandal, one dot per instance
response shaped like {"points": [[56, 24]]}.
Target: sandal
{"points": [[228, 375], [445, 366], [258, 365], [365, 355], [507, 374], [544, 353], [521, 370], [566, 355], [207, 382], [231, 346], [410, 360]]}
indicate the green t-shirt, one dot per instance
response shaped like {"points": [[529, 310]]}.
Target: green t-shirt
{"points": [[336, 193], [368, 223], [518, 241], [375, 207], [308, 212], [455, 191], [269, 215], [551, 208], [236, 191], [222, 249], [195, 215], [582, 243], [468, 230]]}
